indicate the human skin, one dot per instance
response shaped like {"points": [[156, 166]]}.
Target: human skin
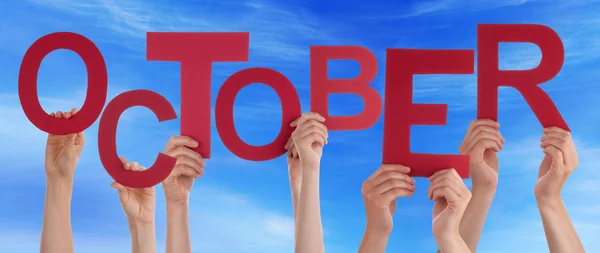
{"points": [[139, 206], [62, 154], [481, 142], [559, 162], [451, 197], [177, 187], [309, 137], [380, 192], [295, 173]]}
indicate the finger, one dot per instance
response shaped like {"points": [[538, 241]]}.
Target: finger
{"points": [[479, 147], [393, 183], [389, 167], [190, 163], [53, 114], [391, 175], [176, 141], [561, 144], [59, 115], [557, 135], [186, 170], [483, 135], [446, 193], [308, 133], [386, 176], [555, 129], [450, 173], [452, 181], [557, 157], [307, 116], [310, 139], [74, 111], [117, 186], [67, 115], [495, 133], [287, 144], [439, 173], [184, 151], [395, 193], [482, 122], [295, 151], [312, 126], [123, 160]]}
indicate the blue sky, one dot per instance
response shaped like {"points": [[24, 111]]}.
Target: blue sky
{"points": [[243, 206]]}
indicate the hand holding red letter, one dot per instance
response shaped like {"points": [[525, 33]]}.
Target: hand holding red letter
{"points": [[451, 197], [63, 151], [189, 166], [309, 138], [481, 143], [558, 164]]}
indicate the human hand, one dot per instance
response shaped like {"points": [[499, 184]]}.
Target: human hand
{"points": [[63, 151], [558, 163], [380, 192], [293, 161], [189, 165], [309, 138], [482, 141], [139, 204], [451, 197]]}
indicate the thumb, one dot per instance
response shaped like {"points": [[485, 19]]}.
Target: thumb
{"points": [[117, 186], [72, 137], [557, 166]]}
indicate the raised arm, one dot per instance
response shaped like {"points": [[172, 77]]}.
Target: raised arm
{"points": [[482, 141], [295, 173], [451, 197], [309, 138], [139, 206], [558, 164], [62, 154], [380, 192], [177, 187]]}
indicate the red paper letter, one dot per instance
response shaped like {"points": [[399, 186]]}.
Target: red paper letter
{"points": [[107, 133], [401, 113], [290, 105], [196, 52], [489, 77], [96, 90], [321, 86]]}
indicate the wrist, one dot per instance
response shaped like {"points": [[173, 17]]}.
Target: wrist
{"points": [[137, 226], [549, 202], [374, 232], [448, 241], [177, 207], [310, 167]]}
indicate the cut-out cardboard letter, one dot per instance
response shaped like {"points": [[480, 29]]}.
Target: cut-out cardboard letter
{"points": [[107, 139], [489, 77], [290, 106], [321, 86], [401, 113], [196, 51], [96, 88]]}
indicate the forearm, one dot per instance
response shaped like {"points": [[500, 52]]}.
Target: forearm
{"points": [[373, 242], [560, 233], [143, 237], [309, 230], [295, 186], [178, 229], [57, 236], [452, 244], [473, 220]]}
